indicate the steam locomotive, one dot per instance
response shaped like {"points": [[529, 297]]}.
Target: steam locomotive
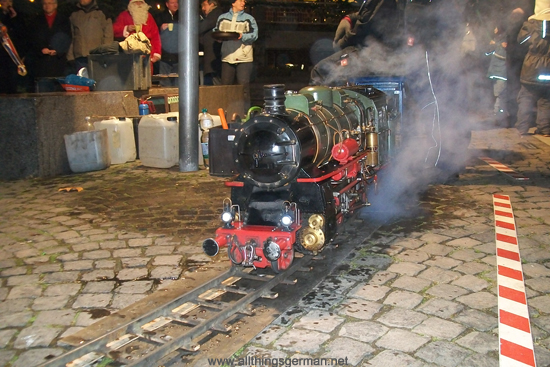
{"points": [[303, 164]]}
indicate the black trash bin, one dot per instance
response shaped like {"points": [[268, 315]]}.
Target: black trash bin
{"points": [[220, 151], [120, 72]]}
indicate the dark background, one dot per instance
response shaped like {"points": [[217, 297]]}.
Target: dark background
{"points": [[295, 34]]}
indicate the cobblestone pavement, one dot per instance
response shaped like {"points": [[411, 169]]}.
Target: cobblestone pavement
{"points": [[420, 292], [68, 259]]}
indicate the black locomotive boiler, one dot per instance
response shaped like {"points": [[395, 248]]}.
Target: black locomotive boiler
{"points": [[304, 163]]}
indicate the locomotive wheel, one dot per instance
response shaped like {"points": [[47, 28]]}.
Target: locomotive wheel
{"points": [[298, 245], [311, 239], [301, 249], [235, 254], [316, 221], [283, 262]]}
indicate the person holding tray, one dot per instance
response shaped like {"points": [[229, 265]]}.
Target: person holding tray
{"points": [[238, 31]]}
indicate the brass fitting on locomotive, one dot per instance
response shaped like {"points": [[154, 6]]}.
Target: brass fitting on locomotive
{"points": [[312, 237], [372, 146]]}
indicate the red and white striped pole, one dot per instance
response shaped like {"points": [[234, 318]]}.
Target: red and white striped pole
{"points": [[514, 327]]}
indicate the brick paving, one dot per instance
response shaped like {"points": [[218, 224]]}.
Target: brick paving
{"points": [[420, 292]]}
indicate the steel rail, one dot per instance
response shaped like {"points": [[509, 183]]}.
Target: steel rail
{"points": [[184, 340], [96, 344], [200, 329]]}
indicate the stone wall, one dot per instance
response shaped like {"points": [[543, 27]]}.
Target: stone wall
{"points": [[32, 126]]}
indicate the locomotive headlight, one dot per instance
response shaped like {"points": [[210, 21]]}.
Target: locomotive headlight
{"points": [[227, 218], [228, 215], [286, 220], [272, 251], [288, 216]]}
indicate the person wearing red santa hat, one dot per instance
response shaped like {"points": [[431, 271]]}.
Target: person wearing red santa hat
{"points": [[137, 17]]}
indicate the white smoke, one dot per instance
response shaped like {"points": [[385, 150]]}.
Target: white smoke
{"points": [[445, 93]]}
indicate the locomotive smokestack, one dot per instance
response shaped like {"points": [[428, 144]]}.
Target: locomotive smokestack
{"points": [[274, 98]]}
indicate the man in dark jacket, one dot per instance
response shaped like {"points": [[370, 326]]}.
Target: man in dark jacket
{"points": [[534, 94], [52, 39], [167, 22], [212, 59]]}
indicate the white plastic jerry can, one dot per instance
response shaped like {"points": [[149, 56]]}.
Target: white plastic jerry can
{"points": [[120, 132]]}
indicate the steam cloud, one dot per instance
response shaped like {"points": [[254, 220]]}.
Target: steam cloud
{"points": [[446, 89]]}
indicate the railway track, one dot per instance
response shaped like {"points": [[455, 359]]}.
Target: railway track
{"points": [[198, 324], [182, 322]]}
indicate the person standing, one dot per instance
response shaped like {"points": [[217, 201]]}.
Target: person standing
{"points": [[497, 74], [9, 78], [237, 55], [90, 28], [438, 78], [135, 18], [212, 50], [520, 11], [534, 93], [52, 32], [167, 22]]}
